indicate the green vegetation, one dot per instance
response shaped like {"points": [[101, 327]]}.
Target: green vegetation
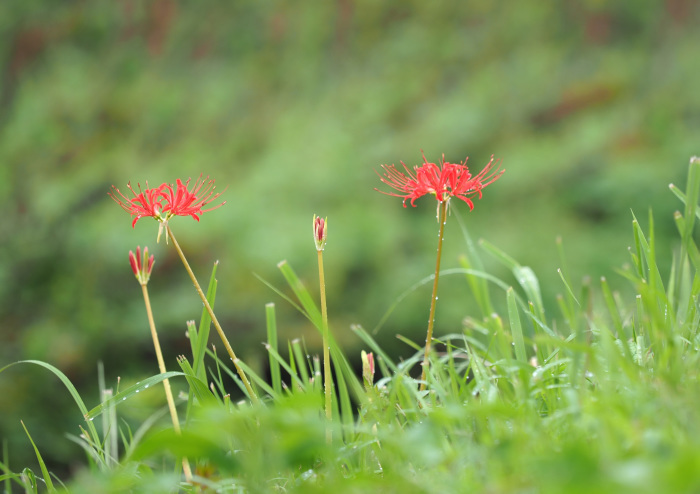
{"points": [[593, 109], [603, 397]]}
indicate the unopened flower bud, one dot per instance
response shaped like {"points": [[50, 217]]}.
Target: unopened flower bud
{"points": [[141, 266], [320, 232]]}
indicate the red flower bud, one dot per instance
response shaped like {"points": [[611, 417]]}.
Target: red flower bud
{"points": [[141, 268], [320, 232]]}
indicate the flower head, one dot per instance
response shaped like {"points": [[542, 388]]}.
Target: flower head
{"points": [[168, 200], [444, 181], [146, 203], [320, 232], [181, 201], [141, 267]]}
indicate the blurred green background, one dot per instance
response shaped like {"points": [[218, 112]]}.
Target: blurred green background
{"points": [[594, 107]]}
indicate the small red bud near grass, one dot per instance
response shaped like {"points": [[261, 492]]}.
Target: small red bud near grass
{"points": [[320, 232]]}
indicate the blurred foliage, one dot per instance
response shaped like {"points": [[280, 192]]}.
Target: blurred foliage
{"points": [[593, 108]]}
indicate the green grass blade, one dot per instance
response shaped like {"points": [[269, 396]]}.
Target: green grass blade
{"points": [[472, 260], [302, 293], [302, 360], [367, 338], [8, 475], [691, 204], [285, 297], [691, 248], [524, 275], [42, 465], [647, 251], [255, 378], [317, 379], [292, 363], [202, 337], [271, 324], [29, 481], [408, 342], [128, 393], [639, 259], [515, 327], [71, 389], [528, 280], [199, 388], [289, 368], [258, 380], [479, 287], [349, 376], [345, 409], [612, 307], [568, 288], [500, 256]]}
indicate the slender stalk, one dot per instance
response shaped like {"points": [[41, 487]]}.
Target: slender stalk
{"points": [[327, 383], [442, 219], [166, 383], [230, 351]]}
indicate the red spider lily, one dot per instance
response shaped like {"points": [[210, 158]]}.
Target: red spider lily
{"points": [[320, 232], [444, 181], [141, 268], [179, 201], [146, 203]]}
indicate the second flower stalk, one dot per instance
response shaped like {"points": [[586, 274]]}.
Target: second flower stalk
{"points": [[320, 226], [142, 267]]}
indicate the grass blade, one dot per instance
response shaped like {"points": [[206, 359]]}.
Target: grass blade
{"points": [[199, 388], [199, 343], [302, 294], [42, 465], [71, 389], [128, 393], [367, 338], [515, 327], [271, 324], [612, 307]]}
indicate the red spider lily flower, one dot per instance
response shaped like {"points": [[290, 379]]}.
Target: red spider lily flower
{"points": [[444, 181], [146, 203], [141, 268], [320, 232], [180, 201]]}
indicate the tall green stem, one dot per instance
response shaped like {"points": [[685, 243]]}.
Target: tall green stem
{"points": [[166, 383], [230, 351], [442, 219], [327, 382]]}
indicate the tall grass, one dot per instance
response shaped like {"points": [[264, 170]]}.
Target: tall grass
{"points": [[601, 397]]}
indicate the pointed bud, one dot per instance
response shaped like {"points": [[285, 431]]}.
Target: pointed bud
{"points": [[320, 232], [134, 263], [141, 266]]}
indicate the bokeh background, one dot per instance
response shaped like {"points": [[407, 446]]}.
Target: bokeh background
{"points": [[594, 108]]}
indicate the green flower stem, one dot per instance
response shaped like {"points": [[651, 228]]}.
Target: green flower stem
{"points": [[230, 351], [442, 218], [327, 379], [166, 383]]}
